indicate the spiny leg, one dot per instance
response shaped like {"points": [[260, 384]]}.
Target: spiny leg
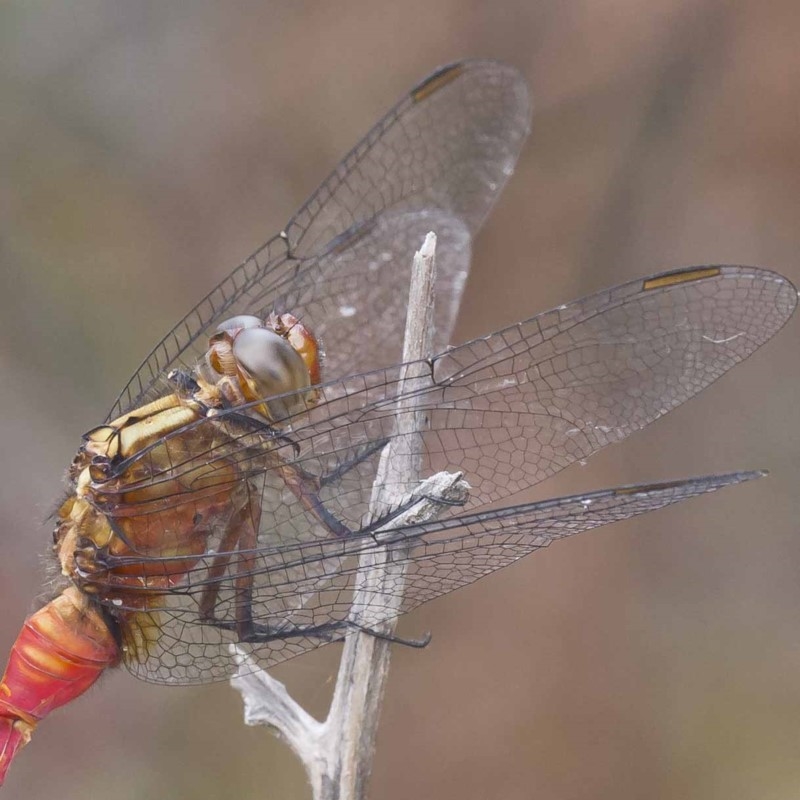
{"points": [[219, 565], [333, 631], [240, 533], [346, 466], [303, 484], [245, 575], [306, 487]]}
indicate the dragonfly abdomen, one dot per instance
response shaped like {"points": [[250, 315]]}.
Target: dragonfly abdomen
{"points": [[60, 652]]}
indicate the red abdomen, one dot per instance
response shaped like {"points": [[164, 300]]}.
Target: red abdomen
{"points": [[58, 655]]}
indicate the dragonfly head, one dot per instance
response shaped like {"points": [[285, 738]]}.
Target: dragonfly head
{"points": [[249, 359]]}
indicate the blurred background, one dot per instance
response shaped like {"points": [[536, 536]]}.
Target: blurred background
{"points": [[148, 147]]}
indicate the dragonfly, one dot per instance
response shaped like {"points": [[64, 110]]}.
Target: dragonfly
{"points": [[226, 498]]}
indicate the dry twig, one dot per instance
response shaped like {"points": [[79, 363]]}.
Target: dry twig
{"points": [[337, 753]]}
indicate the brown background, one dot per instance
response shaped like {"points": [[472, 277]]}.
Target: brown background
{"points": [[147, 147]]}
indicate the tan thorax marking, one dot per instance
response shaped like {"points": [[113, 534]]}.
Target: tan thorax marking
{"points": [[138, 429], [122, 438]]}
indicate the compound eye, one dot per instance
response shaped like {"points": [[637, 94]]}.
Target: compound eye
{"points": [[239, 322], [274, 365]]}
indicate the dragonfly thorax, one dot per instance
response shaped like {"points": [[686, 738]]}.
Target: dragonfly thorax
{"points": [[249, 360]]}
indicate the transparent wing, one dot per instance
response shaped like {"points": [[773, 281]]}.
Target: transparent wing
{"points": [[419, 563], [437, 160], [450, 144], [355, 297], [515, 407], [508, 410]]}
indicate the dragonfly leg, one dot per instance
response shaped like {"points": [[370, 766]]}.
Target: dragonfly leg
{"points": [[327, 632], [218, 568], [306, 486], [346, 466], [401, 508], [184, 381], [239, 541], [423, 641], [248, 540], [264, 429]]}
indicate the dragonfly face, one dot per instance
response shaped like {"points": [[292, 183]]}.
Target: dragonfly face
{"points": [[226, 498], [249, 360]]}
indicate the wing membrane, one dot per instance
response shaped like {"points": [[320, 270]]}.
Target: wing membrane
{"points": [[449, 144], [428, 561], [446, 149], [515, 407], [508, 410]]}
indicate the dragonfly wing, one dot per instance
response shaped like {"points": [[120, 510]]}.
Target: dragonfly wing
{"points": [[515, 407], [508, 409], [355, 297], [447, 148], [450, 144], [418, 563], [518, 406]]}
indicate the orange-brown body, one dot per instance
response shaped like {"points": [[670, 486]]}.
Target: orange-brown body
{"points": [[162, 504], [148, 509]]}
